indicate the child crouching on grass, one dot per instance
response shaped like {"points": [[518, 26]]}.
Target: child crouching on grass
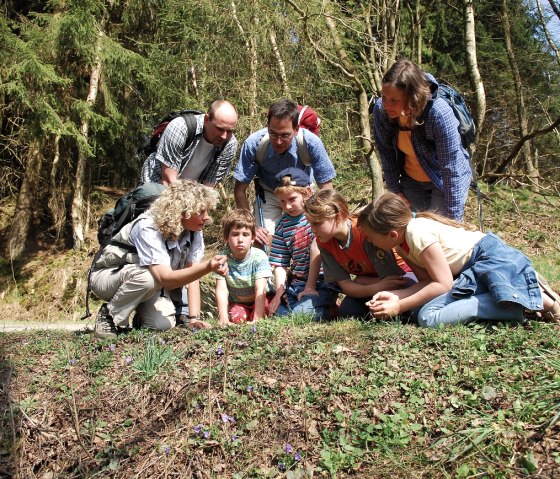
{"points": [[241, 294], [463, 274], [294, 247]]}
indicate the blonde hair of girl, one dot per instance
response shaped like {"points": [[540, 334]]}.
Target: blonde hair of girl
{"points": [[327, 204]]}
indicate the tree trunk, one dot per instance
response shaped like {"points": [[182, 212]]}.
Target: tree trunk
{"points": [[251, 47], [472, 65], [77, 212], [56, 198], [528, 165], [281, 67], [27, 200]]}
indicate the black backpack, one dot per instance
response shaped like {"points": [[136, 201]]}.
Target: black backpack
{"points": [[127, 208], [150, 142]]}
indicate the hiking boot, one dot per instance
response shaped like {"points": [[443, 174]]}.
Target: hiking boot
{"points": [[104, 325]]}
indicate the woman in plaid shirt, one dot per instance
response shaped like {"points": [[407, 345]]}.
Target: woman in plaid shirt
{"points": [[428, 166]]}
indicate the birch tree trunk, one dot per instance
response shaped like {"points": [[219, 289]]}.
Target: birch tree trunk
{"points": [[77, 212], [251, 47], [27, 200], [472, 66], [529, 164], [281, 67]]}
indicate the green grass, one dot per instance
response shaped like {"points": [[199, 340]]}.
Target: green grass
{"points": [[286, 398]]}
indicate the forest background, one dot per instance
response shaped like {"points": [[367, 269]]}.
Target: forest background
{"points": [[82, 80]]}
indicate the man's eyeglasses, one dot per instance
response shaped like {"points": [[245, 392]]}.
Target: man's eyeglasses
{"points": [[281, 136]]}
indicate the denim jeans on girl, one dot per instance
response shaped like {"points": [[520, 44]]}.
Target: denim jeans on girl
{"points": [[318, 305], [497, 284]]}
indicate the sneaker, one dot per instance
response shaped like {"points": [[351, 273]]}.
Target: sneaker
{"points": [[104, 325]]}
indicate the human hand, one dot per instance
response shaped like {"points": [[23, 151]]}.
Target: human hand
{"points": [[275, 302], [384, 304], [262, 236], [307, 292], [199, 324], [219, 264]]}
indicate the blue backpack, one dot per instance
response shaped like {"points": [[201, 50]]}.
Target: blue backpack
{"points": [[467, 128]]}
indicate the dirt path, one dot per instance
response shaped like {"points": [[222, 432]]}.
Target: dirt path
{"points": [[11, 326]]}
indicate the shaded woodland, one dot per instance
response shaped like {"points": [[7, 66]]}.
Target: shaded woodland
{"points": [[82, 80]]}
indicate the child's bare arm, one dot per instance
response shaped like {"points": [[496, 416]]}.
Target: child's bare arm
{"points": [[222, 301], [260, 298], [280, 275], [314, 269]]}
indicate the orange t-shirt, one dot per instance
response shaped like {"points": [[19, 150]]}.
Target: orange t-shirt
{"points": [[412, 166]]}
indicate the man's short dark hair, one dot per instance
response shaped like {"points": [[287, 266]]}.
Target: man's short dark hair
{"points": [[282, 109]]}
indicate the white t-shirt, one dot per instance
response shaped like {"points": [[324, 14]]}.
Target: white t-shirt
{"points": [[199, 160], [152, 249], [457, 243]]}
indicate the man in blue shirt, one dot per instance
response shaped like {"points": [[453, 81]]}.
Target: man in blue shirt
{"points": [[281, 152]]}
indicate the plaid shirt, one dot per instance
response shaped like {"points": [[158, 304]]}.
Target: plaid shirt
{"points": [[439, 152], [171, 152]]}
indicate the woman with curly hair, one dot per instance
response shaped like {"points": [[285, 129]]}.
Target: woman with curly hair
{"points": [[160, 251]]}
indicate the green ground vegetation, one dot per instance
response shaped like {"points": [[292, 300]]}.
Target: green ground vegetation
{"points": [[284, 398]]}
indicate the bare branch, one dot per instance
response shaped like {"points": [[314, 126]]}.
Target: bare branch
{"points": [[520, 144]]}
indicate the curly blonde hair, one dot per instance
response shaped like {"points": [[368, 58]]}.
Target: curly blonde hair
{"points": [[181, 199]]}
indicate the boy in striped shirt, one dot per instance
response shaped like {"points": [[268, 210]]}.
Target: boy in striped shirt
{"points": [[294, 249]]}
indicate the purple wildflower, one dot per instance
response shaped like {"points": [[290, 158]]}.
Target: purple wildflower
{"points": [[226, 419], [253, 329], [198, 428], [112, 347], [128, 360], [297, 457], [206, 434], [281, 466], [240, 344], [219, 351], [24, 342], [234, 438], [72, 362], [249, 389], [288, 448], [166, 449]]}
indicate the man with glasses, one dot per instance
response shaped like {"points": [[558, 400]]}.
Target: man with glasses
{"points": [[281, 152], [208, 157]]}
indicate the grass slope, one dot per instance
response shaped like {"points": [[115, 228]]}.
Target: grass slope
{"points": [[284, 398]]}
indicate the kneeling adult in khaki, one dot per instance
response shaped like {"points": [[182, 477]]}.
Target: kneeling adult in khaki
{"points": [[161, 250]]}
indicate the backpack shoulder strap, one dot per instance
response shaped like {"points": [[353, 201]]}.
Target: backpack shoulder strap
{"points": [[261, 149], [190, 120], [303, 151]]}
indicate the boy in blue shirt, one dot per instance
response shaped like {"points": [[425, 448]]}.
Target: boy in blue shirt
{"points": [[294, 248], [241, 294]]}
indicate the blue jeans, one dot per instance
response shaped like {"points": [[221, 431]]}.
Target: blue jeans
{"points": [[446, 310], [318, 305], [423, 196]]}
